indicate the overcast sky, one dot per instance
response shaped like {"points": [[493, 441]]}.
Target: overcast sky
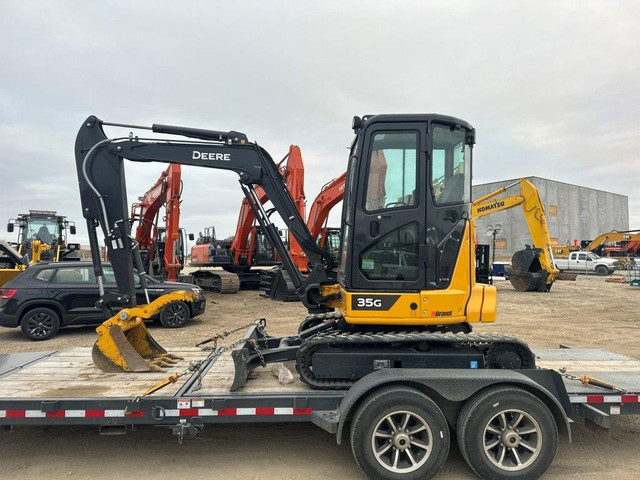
{"points": [[551, 87]]}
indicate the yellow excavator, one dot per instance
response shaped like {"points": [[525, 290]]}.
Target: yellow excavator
{"points": [[627, 244], [405, 294], [533, 268]]}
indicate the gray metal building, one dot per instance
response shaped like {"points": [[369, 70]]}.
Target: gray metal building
{"points": [[573, 213]]}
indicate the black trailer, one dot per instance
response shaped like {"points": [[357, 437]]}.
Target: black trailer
{"points": [[398, 420]]}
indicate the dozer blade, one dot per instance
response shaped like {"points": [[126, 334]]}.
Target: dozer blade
{"points": [[526, 273]]}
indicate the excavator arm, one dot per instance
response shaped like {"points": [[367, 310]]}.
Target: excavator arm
{"points": [[532, 269], [123, 341], [172, 201], [165, 192], [101, 176]]}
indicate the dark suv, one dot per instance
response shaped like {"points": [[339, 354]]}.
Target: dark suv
{"points": [[47, 296]]}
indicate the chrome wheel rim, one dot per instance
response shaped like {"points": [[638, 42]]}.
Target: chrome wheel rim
{"points": [[402, 441], [512, 440], [40, 325]]}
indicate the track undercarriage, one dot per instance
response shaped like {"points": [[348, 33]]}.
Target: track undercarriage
{"points": [[333, 355]]}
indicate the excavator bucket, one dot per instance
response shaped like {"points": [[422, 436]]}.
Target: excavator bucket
{"points": [[526, 274], [125, 345]]}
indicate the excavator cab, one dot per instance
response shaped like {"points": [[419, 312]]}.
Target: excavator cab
{"points": [[407, 236]]}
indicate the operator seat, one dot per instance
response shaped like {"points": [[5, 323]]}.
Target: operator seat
{"points": [[453, 191], [44, 235]]}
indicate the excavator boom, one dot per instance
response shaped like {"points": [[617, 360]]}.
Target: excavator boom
{"points": [[331, 194]]}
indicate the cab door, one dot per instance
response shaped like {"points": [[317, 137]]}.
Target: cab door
{"points": [[389, 213]]}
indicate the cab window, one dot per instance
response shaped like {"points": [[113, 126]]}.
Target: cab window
{"points": [[392, 171], [450, 167]]}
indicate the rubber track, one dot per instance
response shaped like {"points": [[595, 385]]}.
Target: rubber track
{"points": [[341, 338]]}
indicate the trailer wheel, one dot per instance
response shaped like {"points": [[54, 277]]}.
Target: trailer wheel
{"points": [[399, 433], [174, 315], [602, 270], [40, 324], [507, 433]]}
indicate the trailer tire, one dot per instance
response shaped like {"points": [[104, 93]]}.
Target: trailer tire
{"points": [[174, 315], [382, 453], [485, 431], [601, 270], [40, 324]]}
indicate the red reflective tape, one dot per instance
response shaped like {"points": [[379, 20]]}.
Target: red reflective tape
{"points": [[629, 398], [188, 412], [265, 411], [56, 414], [133, 414], [94, 413], [15, 414], [227, 412], [302, 411], [595, 398]]}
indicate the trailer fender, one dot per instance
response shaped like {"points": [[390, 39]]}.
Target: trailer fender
{"points": [[457, 386]]}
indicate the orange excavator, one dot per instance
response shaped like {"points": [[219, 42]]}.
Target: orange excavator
{"points": [[327, 237], [249, 246], [161, 247]]}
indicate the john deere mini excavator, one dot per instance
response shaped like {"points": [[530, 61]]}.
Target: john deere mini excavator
{"points": [[405, 294]]}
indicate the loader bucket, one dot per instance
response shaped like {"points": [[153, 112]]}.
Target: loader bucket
{"points": [[525, 273], [125, 345]]}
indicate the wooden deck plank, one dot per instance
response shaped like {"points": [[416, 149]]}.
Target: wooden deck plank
{"points": [[220, 377], [71, 373], [574, 366]]}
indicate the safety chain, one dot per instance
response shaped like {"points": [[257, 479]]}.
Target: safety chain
{"points": [[261, 324], [563, 371], [217, 351]]}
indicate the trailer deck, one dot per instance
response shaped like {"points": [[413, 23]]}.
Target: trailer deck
{"points": [[46, 382]]}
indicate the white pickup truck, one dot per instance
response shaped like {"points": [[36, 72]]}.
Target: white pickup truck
{"points": [[587, 261]]}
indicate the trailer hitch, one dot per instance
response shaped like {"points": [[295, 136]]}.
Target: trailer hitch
{"points": [[192, 427]]}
